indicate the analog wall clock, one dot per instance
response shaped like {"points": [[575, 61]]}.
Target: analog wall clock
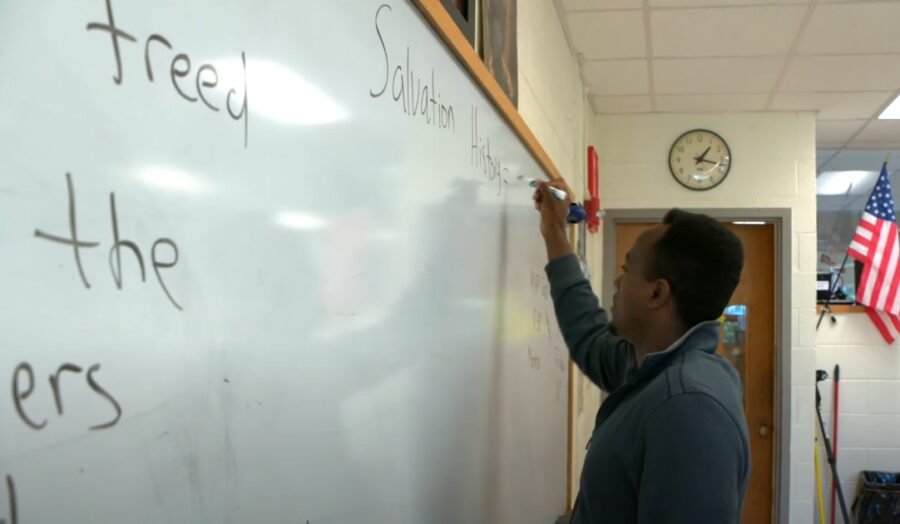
{"points": [[700, 159]]}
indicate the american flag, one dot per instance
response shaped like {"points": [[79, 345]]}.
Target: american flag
{"points": [[875, 244]]}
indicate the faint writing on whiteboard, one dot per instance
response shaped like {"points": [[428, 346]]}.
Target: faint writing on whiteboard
{"points": [[559, 358], [542, 326], [533, 359], [539, 285], [418, 98], [482, 157], [115, 251], [537, 320]]}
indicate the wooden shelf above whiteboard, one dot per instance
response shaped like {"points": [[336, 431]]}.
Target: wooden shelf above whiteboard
{"points": [[842, 308]]}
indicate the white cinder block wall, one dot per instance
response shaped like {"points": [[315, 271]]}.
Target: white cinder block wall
{"points": [[869, 421], [551, 94], [552, 102], [774, 166]]}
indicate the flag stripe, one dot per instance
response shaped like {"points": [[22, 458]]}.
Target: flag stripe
{"points": [[863, 282], [863, 237], [880, 325], [892, 276], [891, 257], [875, 260], [894, 302], [858, 251], [895, 320], [864, 233]]}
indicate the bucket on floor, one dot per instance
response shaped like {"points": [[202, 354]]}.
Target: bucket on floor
{"points": [[878, 501]]}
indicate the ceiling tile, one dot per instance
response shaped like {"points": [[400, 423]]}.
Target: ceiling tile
{"points": [[596, 5], [740, 31], [833, 106], [617, 77], [853, 28], [825, 153], [881, 131], [857, 160], [711, 103], [715, 75], [837, 130], [842, 73], [861, 144], [621, 104], [608, 34], [717, 3]]}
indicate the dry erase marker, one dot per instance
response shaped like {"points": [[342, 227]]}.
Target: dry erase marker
{"points": [[557, 192]]}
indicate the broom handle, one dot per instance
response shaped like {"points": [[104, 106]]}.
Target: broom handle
{"points": [[834, 432]]}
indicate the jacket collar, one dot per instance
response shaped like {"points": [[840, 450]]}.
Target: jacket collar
{"points": [[704, 336]]}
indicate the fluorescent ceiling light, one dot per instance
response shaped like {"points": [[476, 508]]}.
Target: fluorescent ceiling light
{"points": [[892, 112], [843, 182], [749, 223]]}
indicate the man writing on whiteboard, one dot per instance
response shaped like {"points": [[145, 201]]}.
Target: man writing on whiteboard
{"points": [[670, 443]]}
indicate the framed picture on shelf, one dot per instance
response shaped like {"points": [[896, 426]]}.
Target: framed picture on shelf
{"points": [[463, 13], [498, 32], [843, 283]]}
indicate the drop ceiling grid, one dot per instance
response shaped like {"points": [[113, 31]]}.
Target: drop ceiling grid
{"points": [[836, 57]]}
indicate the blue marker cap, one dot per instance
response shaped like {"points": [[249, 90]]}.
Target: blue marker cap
{"points": [[576, 214]]}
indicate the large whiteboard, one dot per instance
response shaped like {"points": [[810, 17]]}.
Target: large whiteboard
{"points": [[355, 328]]}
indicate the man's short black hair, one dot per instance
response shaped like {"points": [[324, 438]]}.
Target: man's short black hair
{"points": [[701, 260]]}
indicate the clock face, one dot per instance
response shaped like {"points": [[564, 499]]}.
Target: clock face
{"points": [[699, 160]]}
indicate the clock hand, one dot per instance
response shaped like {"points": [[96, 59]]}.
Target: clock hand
{"points": [[698, 159], [711, 162]]}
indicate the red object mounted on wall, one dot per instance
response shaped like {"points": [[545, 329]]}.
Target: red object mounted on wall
{"points": [[592, 204]]}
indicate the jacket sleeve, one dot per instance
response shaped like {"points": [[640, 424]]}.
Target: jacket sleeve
{"points": [[695, 464], [603, 357]]}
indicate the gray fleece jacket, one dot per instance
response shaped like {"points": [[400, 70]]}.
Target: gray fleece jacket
{"points": [[670, 442]]}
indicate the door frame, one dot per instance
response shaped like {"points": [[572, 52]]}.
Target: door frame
{"points": [[781, 219]]}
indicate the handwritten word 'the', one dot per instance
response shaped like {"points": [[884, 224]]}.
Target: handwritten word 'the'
{"points": [[115, 251], [206, 77]]}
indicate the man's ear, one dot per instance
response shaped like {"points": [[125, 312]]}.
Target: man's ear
{"points": [[662, 294]]}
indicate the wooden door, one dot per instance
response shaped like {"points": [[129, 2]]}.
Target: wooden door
{"points": [[748, 342]]}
